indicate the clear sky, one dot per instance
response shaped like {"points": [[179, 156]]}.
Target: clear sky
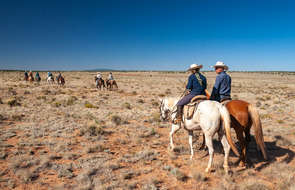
{"points": [[147, 34]]}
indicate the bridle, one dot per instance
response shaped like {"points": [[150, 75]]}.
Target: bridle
{"points": [[167, 112]]}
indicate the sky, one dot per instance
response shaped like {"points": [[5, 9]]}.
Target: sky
{"points": [[247, 35]]}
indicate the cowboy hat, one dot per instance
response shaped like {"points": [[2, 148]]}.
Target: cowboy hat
{"points": [[195, 66], [220, 64]]}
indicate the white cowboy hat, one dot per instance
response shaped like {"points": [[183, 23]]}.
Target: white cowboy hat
{"points": [[220, 64], [195, 66]]}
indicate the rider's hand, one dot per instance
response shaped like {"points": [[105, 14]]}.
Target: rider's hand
{"points": [[187, 92]]}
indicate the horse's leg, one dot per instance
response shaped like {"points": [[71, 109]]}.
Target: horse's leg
{"points": [[239, 132], [226, 148], [190, 140], [203, 143], [174, 129], [209, 144]]}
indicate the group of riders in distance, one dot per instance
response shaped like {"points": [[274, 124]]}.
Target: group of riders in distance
{"points": [[50, 79], [109, 84], [100, 83], [215, 113]]}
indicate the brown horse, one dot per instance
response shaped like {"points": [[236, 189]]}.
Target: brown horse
{"points": [[60, 80], [99, 83], [111, 84], [31, 78], [243, 116]]}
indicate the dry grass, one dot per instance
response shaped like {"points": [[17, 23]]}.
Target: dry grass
{"points": [[78, 137]]}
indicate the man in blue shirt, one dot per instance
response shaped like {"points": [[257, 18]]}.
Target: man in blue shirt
{"points": [[196, 85], [222, 87]]}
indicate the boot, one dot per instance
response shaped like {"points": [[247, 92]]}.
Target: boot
{"points": [[178, 117]]}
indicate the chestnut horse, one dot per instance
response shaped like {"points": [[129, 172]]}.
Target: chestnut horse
{"points": [[99, 83], [244, 115], [60, 80], [111, 83], [31, 78]]}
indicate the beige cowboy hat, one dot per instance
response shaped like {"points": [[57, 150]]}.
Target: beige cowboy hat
{"points": [[195, 66], [220, 64]]}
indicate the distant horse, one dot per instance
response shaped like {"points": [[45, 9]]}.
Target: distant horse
{"points": [[60, 80], [111, 84], [99, 83], [50, 80], [38, 78], [31, 77], [26, 77], [207, 117]]}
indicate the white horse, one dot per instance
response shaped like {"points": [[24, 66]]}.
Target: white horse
{"points": [[50, 80], [207, 117]]}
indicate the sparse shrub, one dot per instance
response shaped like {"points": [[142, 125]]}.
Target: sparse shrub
{"points": [[178, 174], [141, 101], [116, 119], [161, 95], [168, 92], [27, 92], [17, 117], [46, 92], [280, 121], [154, 103], [97, 148], [26, 175], [13, 102], [41, 98], [199, 176], [56, 104], [155, 117], [251, 184], [148, 133], [2, 118], [134, 93], [127, 105], [70, 101], [92, 130], [1, 102], [89, 105]]}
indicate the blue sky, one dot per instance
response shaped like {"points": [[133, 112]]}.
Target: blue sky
{"points": [[147, 34]]}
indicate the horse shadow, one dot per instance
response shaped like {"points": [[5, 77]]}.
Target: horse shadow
{"points": [[254, 156]]}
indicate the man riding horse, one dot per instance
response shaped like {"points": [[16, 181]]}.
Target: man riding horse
{"points": [[37, 76], [26, 76], [197, 83], [222, 87], [99, 81]]}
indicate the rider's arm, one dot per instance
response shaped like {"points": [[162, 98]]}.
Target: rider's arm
{"points": [[189, 85]]}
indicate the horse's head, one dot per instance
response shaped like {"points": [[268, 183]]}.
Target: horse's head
{"points": [[164, 110]]}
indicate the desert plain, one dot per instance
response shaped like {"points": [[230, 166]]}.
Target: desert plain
{"points": [[79, 137]]}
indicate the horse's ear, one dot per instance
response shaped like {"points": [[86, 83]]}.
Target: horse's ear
{"points": [[160, 99]]}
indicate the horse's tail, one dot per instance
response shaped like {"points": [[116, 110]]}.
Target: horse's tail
{"points": [[257, 128], [225, 116]]}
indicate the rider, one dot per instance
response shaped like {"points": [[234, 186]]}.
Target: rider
{"points": [[110, 76], [197, 83], [222, 88], [26, 75], [37, 76], [49, 74], [58, 76], [98, 76]]}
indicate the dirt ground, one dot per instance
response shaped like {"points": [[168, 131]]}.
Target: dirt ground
{"points": [[78, 137]]}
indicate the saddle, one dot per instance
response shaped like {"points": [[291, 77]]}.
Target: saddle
{"points": [[190, 108]]}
